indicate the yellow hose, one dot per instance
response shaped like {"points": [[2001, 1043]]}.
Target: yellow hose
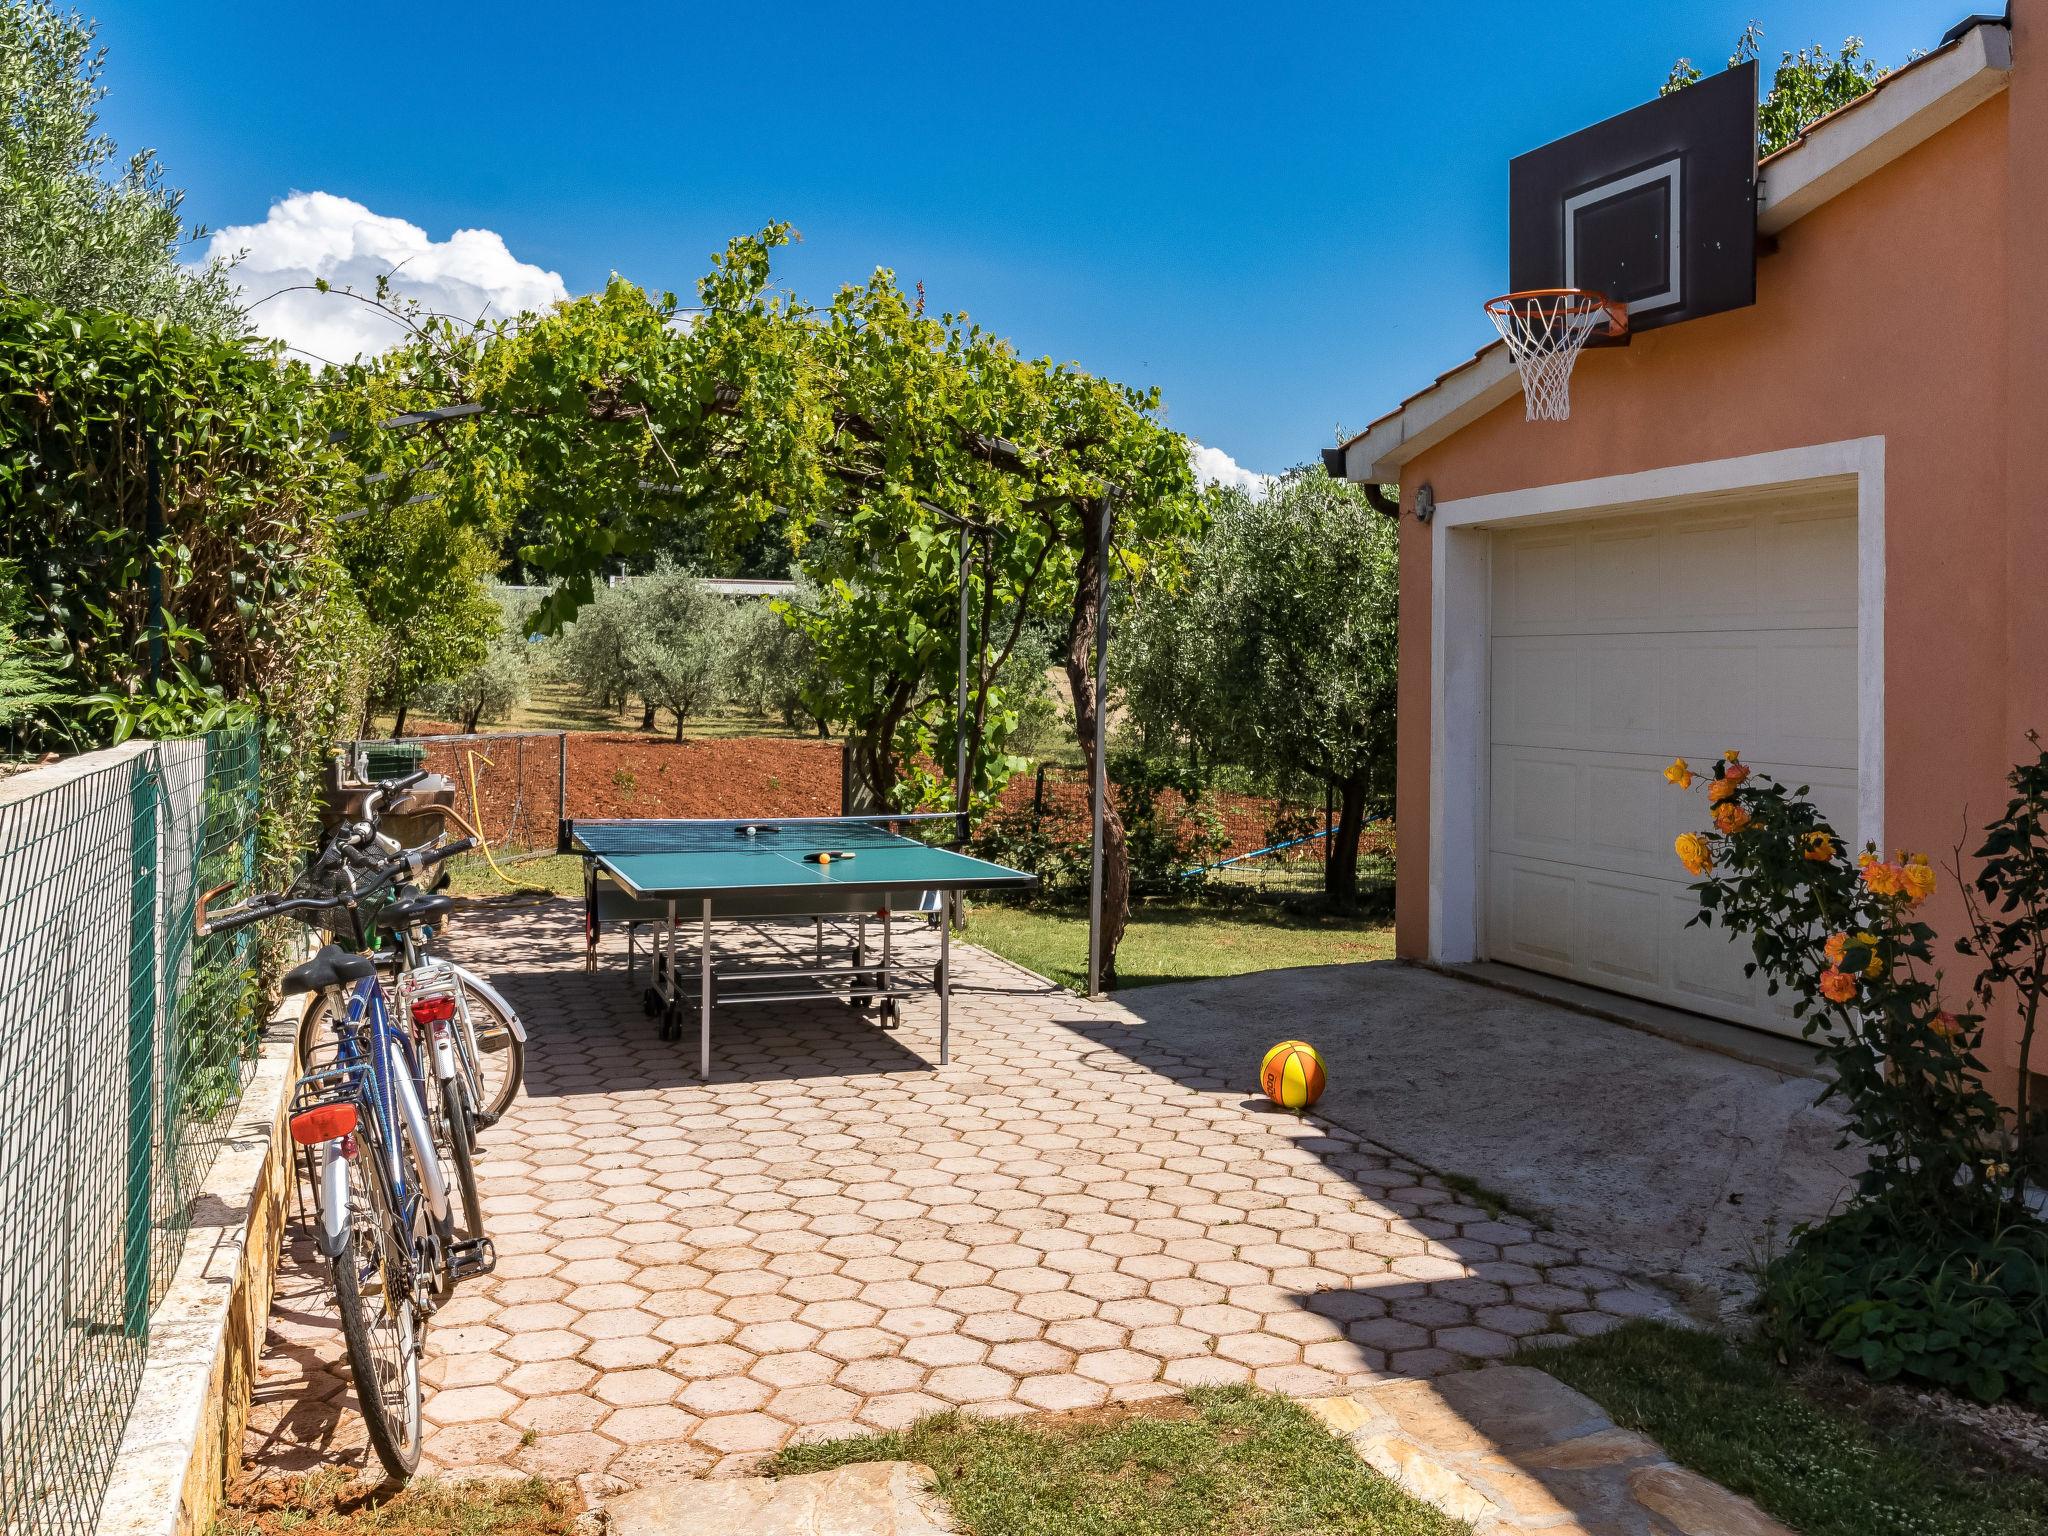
{"points": [[471, 755]]}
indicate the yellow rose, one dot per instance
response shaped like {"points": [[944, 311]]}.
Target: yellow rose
{"points": [[1694, 852], [1679, 773], [1819, 848]]}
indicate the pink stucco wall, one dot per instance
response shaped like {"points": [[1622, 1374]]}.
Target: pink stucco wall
{"points": [[1913, 307]]}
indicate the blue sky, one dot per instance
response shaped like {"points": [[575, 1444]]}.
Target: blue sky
{"points": [[1284, 216]]}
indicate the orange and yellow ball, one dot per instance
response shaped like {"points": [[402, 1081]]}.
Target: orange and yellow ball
{"points": [[1292, 1074]]}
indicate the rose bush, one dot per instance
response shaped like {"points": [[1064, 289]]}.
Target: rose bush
{"points": [[1935, 1267]]}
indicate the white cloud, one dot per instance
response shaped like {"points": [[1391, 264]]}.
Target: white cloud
{"points": [[312, 235], [1215, 467]]}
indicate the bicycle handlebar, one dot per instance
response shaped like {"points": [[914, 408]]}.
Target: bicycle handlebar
{"points": [[412, 863]]}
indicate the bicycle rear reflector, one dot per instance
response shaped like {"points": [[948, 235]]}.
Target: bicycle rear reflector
{"points": [[433, 1010], [324, 1122]]}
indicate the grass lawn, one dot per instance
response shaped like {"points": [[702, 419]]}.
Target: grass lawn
{"points": [[1180, 941], [334, 1501], [1822, 1464], [1224, 1461]]}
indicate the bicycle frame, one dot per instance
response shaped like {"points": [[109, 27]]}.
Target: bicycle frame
{"points": [[374, 1055]]}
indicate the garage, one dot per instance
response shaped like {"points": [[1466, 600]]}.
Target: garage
{"points": [[1616, 644]]}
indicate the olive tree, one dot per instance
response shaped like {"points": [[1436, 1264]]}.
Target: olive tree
{"points": [[501, 679], [678, 637], [80, 226], [1277, 649]]}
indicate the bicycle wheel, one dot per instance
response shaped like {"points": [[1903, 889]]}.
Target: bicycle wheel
{"points": [[458, 1137], [497, 1056], [380, 1321]]}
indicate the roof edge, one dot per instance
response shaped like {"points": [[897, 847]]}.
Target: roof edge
{"points": [[1833, 154]]}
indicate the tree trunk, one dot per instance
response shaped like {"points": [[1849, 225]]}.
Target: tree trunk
{"points": [[398, 720], [1116, 859], [679, 725], [471, 720], [1340, 877], [647, 715]]}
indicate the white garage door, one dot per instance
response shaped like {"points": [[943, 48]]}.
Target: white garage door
{"points": [[1618, 644]]}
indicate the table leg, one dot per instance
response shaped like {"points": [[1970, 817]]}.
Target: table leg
{"points": [[888, 929], [704, 995], [818, 941], [945, 986], [663, 961]]}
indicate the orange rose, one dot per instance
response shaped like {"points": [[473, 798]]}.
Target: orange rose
{"points": [[1734, 770], [1694, 852], [1836, 948], [1916, 879], [1837, 986], [1945, 1024], [1721, 789], [1819, 848], [1730, 817], [1883, 879]]}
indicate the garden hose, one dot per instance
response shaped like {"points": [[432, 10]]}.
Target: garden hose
{"points": [[482, 842]]}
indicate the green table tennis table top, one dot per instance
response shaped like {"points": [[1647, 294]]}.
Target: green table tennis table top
{"points": [[677, 859]]}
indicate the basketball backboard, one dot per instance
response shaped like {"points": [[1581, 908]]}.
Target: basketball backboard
{"points": [[1655, 208]]}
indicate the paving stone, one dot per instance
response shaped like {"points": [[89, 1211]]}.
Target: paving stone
{"points": [[817, 1239]]}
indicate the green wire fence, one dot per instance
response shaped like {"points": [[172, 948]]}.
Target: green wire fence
{"points": [[125, 1043]]}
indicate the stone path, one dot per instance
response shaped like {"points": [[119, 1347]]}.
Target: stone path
{"points": [[833, 1236], [1515, 1452]]}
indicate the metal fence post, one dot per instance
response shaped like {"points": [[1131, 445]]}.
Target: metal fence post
{"points": [[142, 1018]]}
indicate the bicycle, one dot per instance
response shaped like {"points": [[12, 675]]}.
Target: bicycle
{"points": [[488, 1038], [383, 1216]]}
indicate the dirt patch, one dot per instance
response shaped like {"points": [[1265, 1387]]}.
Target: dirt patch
{"points": [[518, 780], [1110, 1415], [337, 1501]]}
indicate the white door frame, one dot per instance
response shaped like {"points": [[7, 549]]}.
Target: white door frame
{"points": [[1461, 641]]}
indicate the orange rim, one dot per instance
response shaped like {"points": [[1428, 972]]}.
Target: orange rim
{"points": [[1584, 301]]}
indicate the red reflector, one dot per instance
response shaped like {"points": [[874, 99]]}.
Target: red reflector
{"points": [[433, 1010], [310, 1127]]}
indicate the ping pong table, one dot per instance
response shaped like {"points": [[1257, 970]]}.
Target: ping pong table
{"points": [[827, 868]]}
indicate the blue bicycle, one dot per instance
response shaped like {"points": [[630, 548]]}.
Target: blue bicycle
{"points": [[384, 1218]]}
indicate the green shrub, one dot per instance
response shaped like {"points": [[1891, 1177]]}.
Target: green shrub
{"points": [[1956, 1307]]}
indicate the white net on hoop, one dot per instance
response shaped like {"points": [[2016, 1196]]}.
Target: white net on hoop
{"points": [[1544, 332]]}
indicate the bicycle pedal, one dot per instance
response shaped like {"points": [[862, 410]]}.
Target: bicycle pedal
{"points": [[472, 1257]]}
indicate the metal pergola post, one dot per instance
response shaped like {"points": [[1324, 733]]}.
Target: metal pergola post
{"points": [[960, 697], [1099, 776]]}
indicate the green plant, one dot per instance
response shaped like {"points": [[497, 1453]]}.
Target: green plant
{"points": [[1962, 1307], [1807, 86], [1172, 831], [2007, 905]]}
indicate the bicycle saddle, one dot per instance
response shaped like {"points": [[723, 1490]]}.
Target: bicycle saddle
{"points": [[332, 967], [417, 907]]}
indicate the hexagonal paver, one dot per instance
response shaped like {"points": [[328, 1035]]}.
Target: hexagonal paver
{"points": [[818, 1241], [969, 1384]]}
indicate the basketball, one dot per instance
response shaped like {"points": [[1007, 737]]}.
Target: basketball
{"points": [[1292, 1074]]}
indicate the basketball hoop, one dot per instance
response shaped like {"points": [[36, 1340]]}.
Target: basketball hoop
{"points": [[1544, 329]]}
